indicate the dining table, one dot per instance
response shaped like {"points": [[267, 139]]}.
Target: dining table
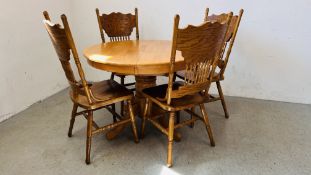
{"points": [[144, 59]]}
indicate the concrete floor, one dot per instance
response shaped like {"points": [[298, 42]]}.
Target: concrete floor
{"points": [[261, 137]]}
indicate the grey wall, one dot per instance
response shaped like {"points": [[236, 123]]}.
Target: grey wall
{"points": [[271, 58], [28, 64]]}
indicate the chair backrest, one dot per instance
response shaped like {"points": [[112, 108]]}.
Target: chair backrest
{"points": [[117, 26], [64, 45], [230, 36], [201, 47]]}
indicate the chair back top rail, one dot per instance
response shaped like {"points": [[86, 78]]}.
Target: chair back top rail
{"points": [[117, 26]]}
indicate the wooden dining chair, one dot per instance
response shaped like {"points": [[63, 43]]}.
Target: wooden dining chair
{"points": [[222, 64], [201, 48], [88, 96], [118, 27]]}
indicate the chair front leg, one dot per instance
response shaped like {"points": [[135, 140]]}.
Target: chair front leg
{"points": [[89, 136], [170, 139], [222, 98], [207, 124], [72, 120], [131, 113]]}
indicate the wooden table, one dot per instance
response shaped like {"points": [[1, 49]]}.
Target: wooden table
{"points": [[143, 59]]}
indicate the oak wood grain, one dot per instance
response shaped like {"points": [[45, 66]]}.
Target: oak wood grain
{"points": [[139, 57]]}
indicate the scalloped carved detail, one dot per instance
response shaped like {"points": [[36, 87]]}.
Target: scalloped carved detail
{"points": [[221, 18], [201, 43], [60, 42], [118, 24]]}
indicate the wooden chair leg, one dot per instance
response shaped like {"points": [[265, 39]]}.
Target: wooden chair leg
{"points": [[222, 98], [114, 109], [178, 117], [169, 162], [122, 108], [89, 136], [207, 124], [112, 76], [122, 103], [131, 113], [174, 77], [192, 124], [143, 122], [113, 105], [72, 120]]}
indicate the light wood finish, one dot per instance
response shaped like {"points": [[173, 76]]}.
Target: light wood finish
{"points": [[143, 57], [170, 131], [118, 27], [201, 47], [88, 96], [222, 64]]}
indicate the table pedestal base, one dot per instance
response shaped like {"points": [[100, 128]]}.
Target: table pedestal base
{"points": [[142, 82]]}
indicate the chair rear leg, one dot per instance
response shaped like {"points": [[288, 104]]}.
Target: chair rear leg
{"points": [[169, 162], [222, 98], [72, 120], [192, 124], [112, 76], [113, 105], [122, 103], [89, 136], [114, 109], [174, 77], [143, 122], [122, 108], [207, 124], [178, 117], [131, 113]]}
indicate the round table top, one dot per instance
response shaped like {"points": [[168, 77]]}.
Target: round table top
{"points": [[134, 57]]}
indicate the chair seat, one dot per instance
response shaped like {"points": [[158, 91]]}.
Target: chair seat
{"points": [[217, 76], [157, 95], [108, 92]]}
